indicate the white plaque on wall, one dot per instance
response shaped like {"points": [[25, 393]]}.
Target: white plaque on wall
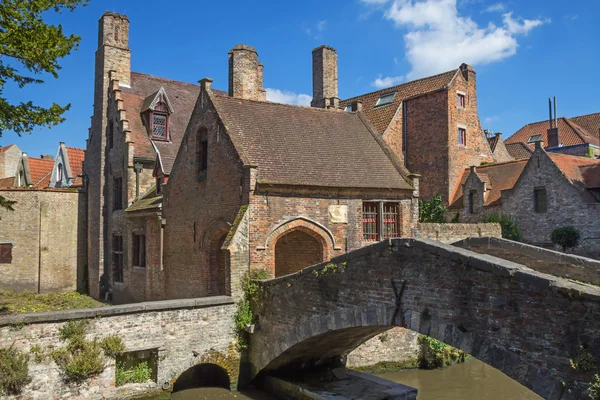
{"points": [[338, 214]]}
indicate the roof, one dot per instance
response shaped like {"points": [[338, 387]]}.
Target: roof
{"points": [[40, 171], [582, 172], [570, 133], [148, 202], [295, 145], [3, 149], [589, 122], [519, 150], [499, 176], [182, 97], [76, 157], [381, 116], [7, 182]]}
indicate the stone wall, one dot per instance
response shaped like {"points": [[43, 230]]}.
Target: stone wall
{"points": [[9, 160], [183, 332], [450, 232], [46, 232], [393, 349]]}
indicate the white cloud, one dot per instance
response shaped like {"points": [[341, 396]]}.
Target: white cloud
{"points": [[321, 25], [439, 39], [489, 120], [317, 29], [495, 8], [287, 97], [388, 81], [374, 1]]}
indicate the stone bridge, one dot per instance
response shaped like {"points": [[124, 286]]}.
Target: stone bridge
{"points": [[526, 324]]}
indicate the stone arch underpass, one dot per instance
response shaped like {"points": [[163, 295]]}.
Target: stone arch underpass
{"points": [[522, 322]]}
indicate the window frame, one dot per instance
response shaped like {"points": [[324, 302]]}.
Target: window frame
{"points": [[6, 256], [368, 234], [117, 259], [462, 136], [395, 216], [59, 173], [461, 100], [138, 250], [537, 137], [153, 114], [540, 203], [379, 102]]}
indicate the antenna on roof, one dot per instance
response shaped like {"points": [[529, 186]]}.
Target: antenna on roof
{"points": [[550, 111], [555, 117]]}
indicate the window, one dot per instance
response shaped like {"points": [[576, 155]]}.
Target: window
{"points": [[139, 251], [117, 193], [385, 99], [59, 173], [534, 138], [462, 136], [540, 204], [6, 253], [159, 125], [117, 250], [471, 202], [109, 139], [461, 100], [202, 152], [370, 221], [391, 220], [348, 107]]}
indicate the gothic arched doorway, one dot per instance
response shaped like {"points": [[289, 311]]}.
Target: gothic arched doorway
{"points": [[297, 250]]}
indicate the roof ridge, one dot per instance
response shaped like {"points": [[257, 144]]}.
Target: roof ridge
{"points": [[575, 126], [399, 85], [333, 111], [479, 167], [165, 79], [579, 158], [39, 158], [586, 115], [73, 148]]}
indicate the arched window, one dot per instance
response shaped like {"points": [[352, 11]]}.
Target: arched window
{"points": [[59, 173], [202, 152]]}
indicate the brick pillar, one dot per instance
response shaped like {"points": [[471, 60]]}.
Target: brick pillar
{"points": [[245, 73], [113, 54], [325, 77]]}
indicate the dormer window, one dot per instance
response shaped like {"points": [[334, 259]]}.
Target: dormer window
{"points": [[159, 125], [385, 99], [534, 138]]}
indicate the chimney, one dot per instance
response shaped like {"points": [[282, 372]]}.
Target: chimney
{"points": [[206, 84], [356, 105], [499, 135], [468, 72], [473, 169], [262, 93], [553, 137], [113, 47], [245, 73], [539, 144], [47, 157], [325, 78]]}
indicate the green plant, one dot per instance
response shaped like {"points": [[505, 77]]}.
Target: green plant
{"points": [[510, 230], [383, 337], [585, 361], [73, 330], [438, 354], [14, 370], [486, 162], [566, 236], [138, 373], [38, 353], [456, 218], [594, 388], [112, 346], [432, 210], [590, 152], [244, 316]]}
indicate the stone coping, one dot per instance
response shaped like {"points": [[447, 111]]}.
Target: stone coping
{"points": [[483, 262], [109, 311], [577, 267]]}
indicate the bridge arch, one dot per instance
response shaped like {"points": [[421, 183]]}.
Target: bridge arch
{"points": [[203, 375], [523, 323]]}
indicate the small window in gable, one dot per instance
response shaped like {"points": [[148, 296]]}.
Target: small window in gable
{"points": [[461, 100], [59, 173], [159, 125], [385, 99], [534, 138]]}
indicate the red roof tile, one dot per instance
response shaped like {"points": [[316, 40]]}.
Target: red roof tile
{"points": [[589, 122], [7, 182], [381, 116], [76, 157], [591, 175], [570, 133], [40, 171], [519, 150], [500, 176], [572, 166]]}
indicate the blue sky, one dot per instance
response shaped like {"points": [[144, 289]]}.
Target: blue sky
{"points": [[523, 52]]}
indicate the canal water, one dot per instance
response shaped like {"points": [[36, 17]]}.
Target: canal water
{"points": [[471, 380]]}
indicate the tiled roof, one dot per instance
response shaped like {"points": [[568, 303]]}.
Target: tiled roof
{"points": [[589, 122], [294, 145], [493, 141], [381, 116], [570, 133], [181, 95], [150, 201], [76, 157], [574, 168], [40, 171], [2, 149], [519, 150], [7, 182], [500, 176]]}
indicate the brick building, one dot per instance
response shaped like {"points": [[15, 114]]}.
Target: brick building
{"points": [[576, 136], [432, 125], [542, 193]]}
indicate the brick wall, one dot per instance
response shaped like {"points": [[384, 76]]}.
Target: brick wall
{"points": [[46, 232], [449, 233], [296, 250], [565, 206], [398, 347], [501, 153], [201, 326]]}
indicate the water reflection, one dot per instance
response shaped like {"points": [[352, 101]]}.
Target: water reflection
{"points": [[220, 394], [472, 380]]}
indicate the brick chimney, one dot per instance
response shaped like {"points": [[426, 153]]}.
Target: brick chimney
{"points": [[47, 157], [245, 74], [553, 137], [468, 72], [325, 78]]}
